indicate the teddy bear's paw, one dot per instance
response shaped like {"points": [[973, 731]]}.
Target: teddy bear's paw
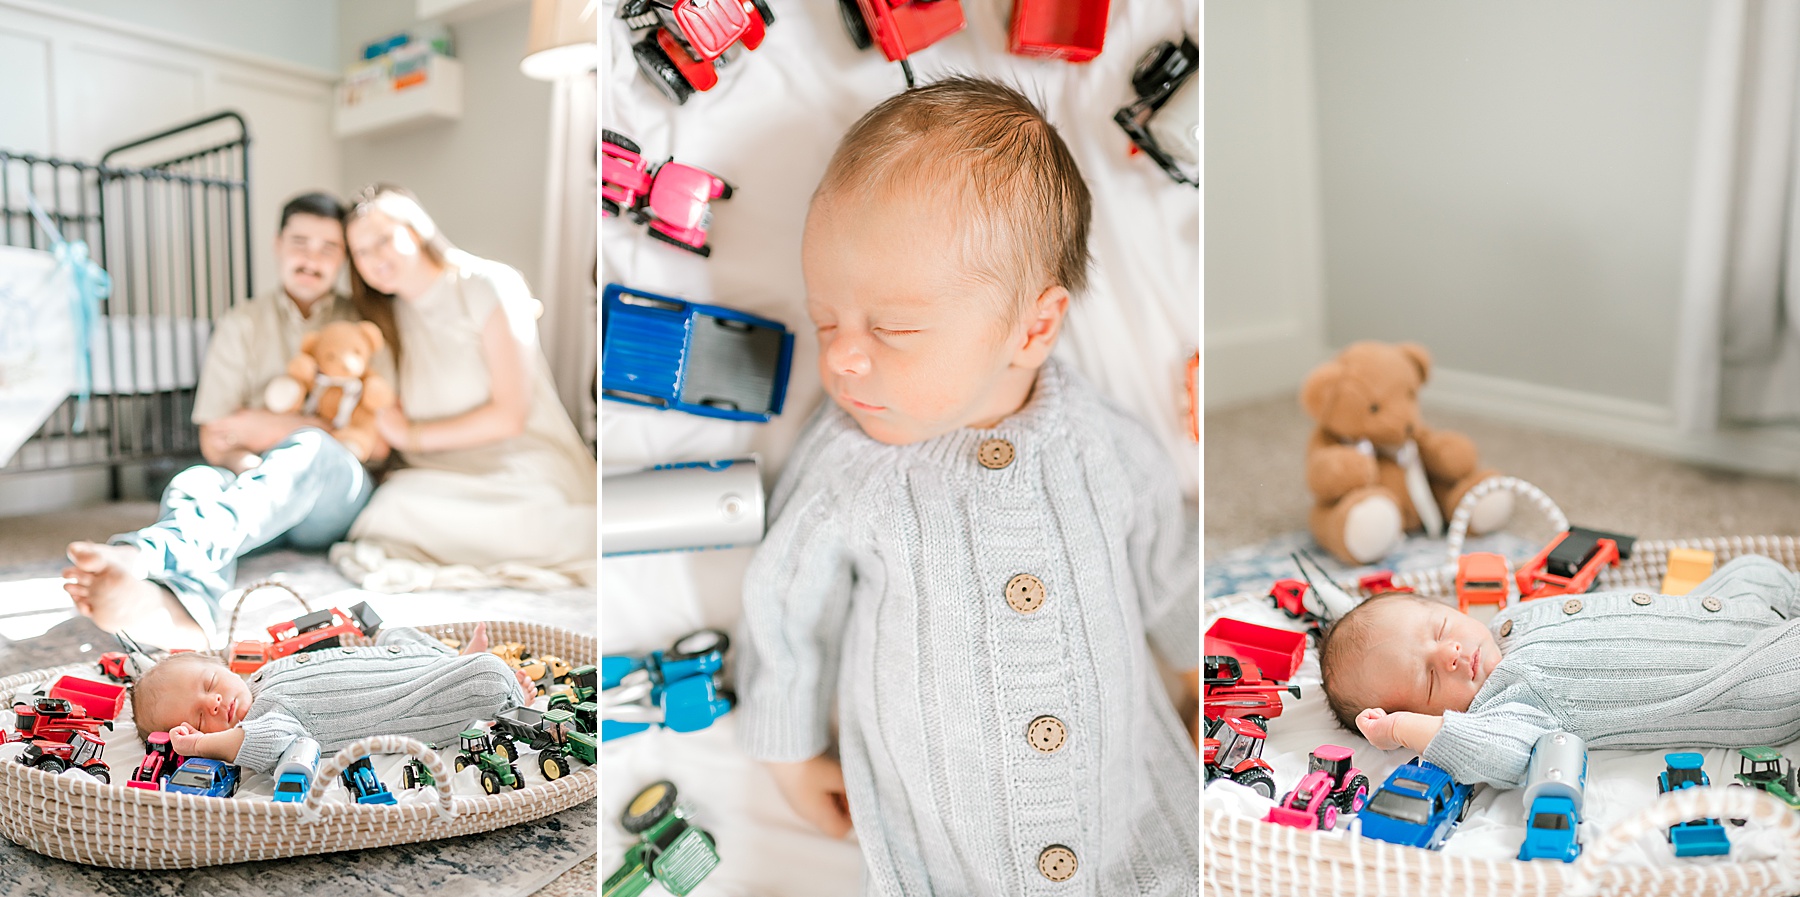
{"points": [[1491, 512], [283, 395], [1372, 529]]}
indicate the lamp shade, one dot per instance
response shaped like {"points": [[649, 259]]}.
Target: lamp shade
{"points": [[563, 40]]}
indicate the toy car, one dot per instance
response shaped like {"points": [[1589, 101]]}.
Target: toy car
{"points": [[1289, 596], [1164, 79], [124, 666], [82, 750], [1696, 837], [703, 359], [1380, 581], [1232, 749], [479, 748], [295, 771], [688, 39], [207, 778], [1074, 30], [159, 763], [311, 632], [1480, 579], [1232, 690], [1331, 787], [673, 199], [1418, 806], [359, 779], [678, 688], [1554, 781], [902, 27], [670, 850], [1571, 563], [1765, 769]]}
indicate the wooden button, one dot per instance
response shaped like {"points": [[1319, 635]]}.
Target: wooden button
{"points": [[1712, 603], [1572, 606], [349, 650], [994, 453], [393, 649], [1047, 734], [1505, 628], [1057, 863], [1641, 599], [302, 658], [1025, 593]]}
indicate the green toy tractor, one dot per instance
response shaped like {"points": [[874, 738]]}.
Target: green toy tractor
{"points": [[670, 851], [416, 773], [479, 750], [561, 740], [1765, 769]]}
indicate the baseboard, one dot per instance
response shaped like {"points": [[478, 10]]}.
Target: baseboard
{"points": [[1639, 425], [1252, 363]]}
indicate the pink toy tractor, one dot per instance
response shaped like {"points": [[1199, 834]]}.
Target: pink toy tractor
{"points": [[1330, 788], [688, 39], [901, 27], [673, 199]]}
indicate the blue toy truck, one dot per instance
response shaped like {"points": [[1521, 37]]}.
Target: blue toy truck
{"points": [[294, 774], [677, 688], [703, 359], [359, 779], [1418, 806], [207, 778], [1554, 782], [1696, 837]]}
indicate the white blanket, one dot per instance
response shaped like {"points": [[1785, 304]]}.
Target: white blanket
{"points": [[769, 129]]}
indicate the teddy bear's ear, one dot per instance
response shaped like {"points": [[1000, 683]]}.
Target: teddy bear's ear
{"points": [[1420, 357], [372, 332], [309, 342], [1320, 388]]}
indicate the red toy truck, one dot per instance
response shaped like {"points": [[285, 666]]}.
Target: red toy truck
{"points": [[1571, 563], [673, 199], [1236, 754], [901, 27], [99, 700], [319, 629], [82, 750], [1074, 30], [1480, 579], [688, 39]]}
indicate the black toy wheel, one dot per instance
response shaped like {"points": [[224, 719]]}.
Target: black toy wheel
{"points": [[518, 780], [608, 208], [490, 783], [728, 189], [1736, 821], [660, 69], [100, 775], [648, 807], [853, 23], [52, 765], [694, 644], [409, 779], [1355, 794], [552, 766], [762, 9], [702, 250], [507, 749], [619, 140], [463, 762], [1257, 780]]}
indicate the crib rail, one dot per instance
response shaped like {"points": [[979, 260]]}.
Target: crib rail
{"points": [[167, 216]]}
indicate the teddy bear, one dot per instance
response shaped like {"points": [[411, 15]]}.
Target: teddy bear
{"points": [[1375, 471], [330, 379]]}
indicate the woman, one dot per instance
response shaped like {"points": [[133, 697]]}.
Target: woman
{"points": [[495, 475]]}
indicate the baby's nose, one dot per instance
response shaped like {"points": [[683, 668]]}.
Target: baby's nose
{"points": [[846, 357]]}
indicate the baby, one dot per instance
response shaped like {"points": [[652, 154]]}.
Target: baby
{"points": [[971, 549], [408, 683], [1719, 667]]}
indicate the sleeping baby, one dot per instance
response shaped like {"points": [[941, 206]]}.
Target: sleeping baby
{"points": [[971, 551], [1718, 667], [407, 683]]}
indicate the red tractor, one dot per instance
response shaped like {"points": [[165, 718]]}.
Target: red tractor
{"points": [[1235, 691], [1330, 788], [1572, 562], [160, 762], [51, 719], [312, 632], [82, 750], [688, 39], [901, 27], [1233, 750]]}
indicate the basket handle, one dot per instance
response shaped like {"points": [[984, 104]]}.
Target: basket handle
{"points": [[231, 628], [327, 776], [1465, 509], [1721, 802]]}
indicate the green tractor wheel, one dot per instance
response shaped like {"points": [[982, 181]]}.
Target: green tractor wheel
{"points": [[464, 761], [518, 780], [506, 748], [648, 807], [490, 783], [553, 766]]}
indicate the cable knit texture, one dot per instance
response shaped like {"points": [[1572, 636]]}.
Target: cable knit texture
{"points": [[882, 581], [408, 683], [1626, 674]]}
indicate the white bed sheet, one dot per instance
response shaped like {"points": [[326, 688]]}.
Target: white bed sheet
{"points": [[1620, 784], [769, 128]]}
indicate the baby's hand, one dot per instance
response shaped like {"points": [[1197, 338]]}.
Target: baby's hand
{"points": [[1377, 726], [185, 739], [815, 789]]}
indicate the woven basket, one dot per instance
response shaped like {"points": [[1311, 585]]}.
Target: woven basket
{"points": [[1247, 857], [76, 818]]}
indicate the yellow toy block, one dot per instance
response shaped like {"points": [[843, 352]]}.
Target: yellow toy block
{"points": [[1687, 566]]}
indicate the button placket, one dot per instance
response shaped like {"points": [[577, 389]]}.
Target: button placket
{"points": [[1046, 734], [1057, 863], [1025, 593]]}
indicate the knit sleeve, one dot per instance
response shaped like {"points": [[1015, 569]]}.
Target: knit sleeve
{"points": [[266, 738], [1491, 745], [1755, 578], [406, 635], [1164, 551]]}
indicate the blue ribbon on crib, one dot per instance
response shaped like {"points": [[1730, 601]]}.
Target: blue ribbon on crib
{"points": [[92, 284]]}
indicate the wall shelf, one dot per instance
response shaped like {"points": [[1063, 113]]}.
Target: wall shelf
{"points": [[438, 98]]}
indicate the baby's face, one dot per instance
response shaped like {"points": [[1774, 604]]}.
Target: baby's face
{"points": [[911, 344], [1424, 657], [208, 697]]}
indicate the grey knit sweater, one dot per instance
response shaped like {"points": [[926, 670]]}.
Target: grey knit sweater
{"points": [[1637, 671], [408, 683], [984, 721]]}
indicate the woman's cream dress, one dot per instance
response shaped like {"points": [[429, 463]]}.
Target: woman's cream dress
{"points": [[510, 508]]}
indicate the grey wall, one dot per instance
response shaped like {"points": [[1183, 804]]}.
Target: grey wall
{"points": [[298, 31], [1507, 181], [483, 177]]}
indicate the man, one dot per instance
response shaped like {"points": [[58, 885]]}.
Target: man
{"points": [[268, 476]]}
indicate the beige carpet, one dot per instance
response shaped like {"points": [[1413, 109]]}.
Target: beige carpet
{"points": [[1255, 486]]}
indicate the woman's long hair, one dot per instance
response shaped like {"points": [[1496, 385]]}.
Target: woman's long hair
{"points": [[401, 205]]}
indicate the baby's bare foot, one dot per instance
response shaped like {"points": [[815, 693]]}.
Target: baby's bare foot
{"points": [[526, 685], [108, 586], [477, 642]]}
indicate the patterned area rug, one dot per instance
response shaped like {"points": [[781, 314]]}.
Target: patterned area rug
{"points": [[1254, 568]]}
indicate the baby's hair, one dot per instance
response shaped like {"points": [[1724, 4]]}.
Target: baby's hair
{"points": [[1342, 641], [159, 671], [997, 154]]}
